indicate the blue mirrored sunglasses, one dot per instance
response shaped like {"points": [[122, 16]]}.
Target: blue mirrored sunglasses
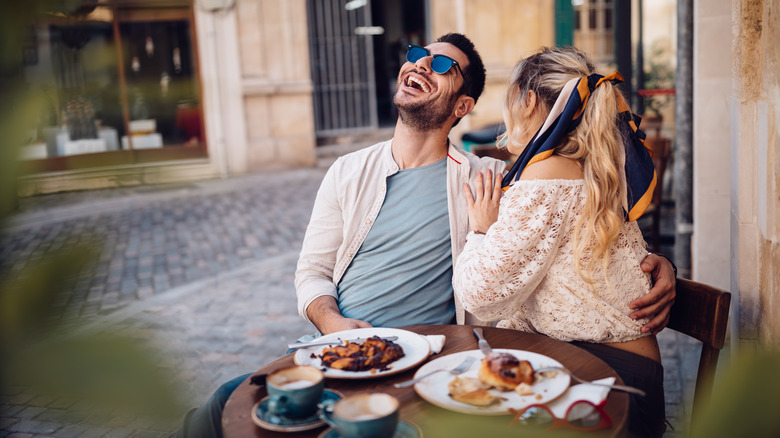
{"points": [[440, 64]]}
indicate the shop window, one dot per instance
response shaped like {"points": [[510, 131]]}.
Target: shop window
{"points": [[120, 82]]}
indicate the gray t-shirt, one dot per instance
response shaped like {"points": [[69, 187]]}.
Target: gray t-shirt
{"points": [[402, 273]]}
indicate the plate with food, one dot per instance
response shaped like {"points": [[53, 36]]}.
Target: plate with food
{"points": [[366, 353], [502, 380]]}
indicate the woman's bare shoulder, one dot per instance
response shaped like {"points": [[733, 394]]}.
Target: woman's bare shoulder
{"points": [[554, 167]]}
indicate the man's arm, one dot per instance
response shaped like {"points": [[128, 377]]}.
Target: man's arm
{"points": [[324, 313], [314, 286], [321, 242], [659, 300]]}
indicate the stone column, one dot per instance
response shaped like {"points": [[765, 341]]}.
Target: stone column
{"points": [[683, 151], [710, 243]]}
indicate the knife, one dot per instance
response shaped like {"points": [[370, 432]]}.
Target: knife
{"points": [[483, 345], [299, 345]]}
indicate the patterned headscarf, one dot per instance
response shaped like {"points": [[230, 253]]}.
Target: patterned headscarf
{"points": [[565, 116]]}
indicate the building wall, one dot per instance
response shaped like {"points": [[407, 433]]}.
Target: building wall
{"points": [[710, 243], [755, 170], [276, 84], [503, 31]]}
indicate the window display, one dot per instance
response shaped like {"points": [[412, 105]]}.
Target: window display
{"points": [[120, 82]]}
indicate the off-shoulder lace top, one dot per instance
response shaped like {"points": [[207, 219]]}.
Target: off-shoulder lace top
{"points": [[522, 271]]}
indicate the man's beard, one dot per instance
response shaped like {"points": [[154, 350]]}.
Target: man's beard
{"points": [[422, 115]]}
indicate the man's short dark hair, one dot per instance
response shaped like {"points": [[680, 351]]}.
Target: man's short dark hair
{"points": [[475, 72]]}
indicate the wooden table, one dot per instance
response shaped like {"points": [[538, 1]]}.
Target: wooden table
{"points": [[434, 421]]}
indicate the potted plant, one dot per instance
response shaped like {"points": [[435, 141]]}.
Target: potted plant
{"points": [[659, 88]]}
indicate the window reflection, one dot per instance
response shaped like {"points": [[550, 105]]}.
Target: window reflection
{"points": [[97, 104], [161, 87]]}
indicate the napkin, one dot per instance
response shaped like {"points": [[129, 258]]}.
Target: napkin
{"points": [[583, 391], [436, 342]]}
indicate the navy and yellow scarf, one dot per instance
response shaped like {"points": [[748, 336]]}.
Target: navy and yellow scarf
{"points": [[566, 114]]}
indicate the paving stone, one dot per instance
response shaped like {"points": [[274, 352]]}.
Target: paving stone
{"points": [[30, 412], [34, 427]]}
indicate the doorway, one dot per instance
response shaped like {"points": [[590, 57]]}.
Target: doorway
{"points": [[357, 48]]}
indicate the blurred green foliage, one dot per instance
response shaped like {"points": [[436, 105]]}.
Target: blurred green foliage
{"points": [[441, 423], [745, 400], [41, 353]]}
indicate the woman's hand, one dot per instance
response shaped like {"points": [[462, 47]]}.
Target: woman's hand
{"points": [[483, 210]]}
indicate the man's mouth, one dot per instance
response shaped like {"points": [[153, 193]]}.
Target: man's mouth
{"points": [[415, 83]]}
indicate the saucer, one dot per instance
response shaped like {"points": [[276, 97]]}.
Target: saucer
{"points": [[405, 429], [268, 420]]}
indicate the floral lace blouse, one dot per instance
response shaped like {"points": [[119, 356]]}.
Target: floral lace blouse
{"points": [[522, 272]]}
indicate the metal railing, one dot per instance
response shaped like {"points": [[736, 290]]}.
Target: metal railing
{"points": [[342, 68]]}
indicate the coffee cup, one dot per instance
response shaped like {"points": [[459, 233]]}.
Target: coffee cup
{"points": [[295, 392], [362, 415]]}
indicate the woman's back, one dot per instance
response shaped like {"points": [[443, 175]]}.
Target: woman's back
{"points": [[523, 272]]}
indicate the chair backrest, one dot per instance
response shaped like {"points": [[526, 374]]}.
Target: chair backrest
{"points": [[702, 312], [662, 150]]}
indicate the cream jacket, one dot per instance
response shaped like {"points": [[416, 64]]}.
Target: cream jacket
{"points": [[349, 200]]}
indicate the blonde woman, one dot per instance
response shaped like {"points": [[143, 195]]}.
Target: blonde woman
{"points": [[561, 254]]}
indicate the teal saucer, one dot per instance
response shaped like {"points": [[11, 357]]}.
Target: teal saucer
{"points": [[404, 430], [268, 420]]}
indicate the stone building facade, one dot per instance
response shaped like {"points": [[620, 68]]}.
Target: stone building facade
{"points": [[257, 95]]}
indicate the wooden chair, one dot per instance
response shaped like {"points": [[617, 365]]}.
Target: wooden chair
{"points": [[701, 312], [662, 150]]}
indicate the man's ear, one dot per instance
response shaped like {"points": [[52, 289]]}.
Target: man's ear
{"points": [[464, 106]]}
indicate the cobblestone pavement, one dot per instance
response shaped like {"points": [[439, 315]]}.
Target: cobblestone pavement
{"points": [[204, 272]]}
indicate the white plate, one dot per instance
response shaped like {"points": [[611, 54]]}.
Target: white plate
{"points": [[434, 388], [416, 349]]}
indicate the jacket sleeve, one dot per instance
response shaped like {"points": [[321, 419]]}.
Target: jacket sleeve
{"points": [[497, 272], [322, 240]]}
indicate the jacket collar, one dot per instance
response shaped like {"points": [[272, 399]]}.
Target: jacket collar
{"points": [[454, 153]]}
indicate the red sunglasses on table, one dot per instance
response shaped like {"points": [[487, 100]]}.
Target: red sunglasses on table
{"points": [[581, 415]]}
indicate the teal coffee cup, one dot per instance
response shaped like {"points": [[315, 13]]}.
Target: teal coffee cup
{"points": [[366, 415], [295, 392]]}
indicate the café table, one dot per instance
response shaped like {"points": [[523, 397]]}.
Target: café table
{"points": [[237, 419]]}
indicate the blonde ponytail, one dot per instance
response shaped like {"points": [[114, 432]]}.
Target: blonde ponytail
{"points": [[596, 144]]}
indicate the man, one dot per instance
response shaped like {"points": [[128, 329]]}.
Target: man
{"points": [[389, 220]]}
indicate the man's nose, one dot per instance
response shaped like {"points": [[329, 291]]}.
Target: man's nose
{"points": [[424, 63]]}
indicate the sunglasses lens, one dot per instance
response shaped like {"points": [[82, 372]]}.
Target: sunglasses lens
{"points": [[583, 414], [415, 53], [535, 416], [441, 64]]}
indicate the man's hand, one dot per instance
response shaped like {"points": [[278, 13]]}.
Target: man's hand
{"points": [[483, 210], [658, 301], [324, 313]]}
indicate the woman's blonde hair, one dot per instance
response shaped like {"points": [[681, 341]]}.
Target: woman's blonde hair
{"points": [[596, 144]]}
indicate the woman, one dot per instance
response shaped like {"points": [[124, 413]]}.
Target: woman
{"points": [[561, 255]]}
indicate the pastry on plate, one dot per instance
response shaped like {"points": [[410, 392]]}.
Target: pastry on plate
{"points": [[504, 371], [471, 391], [373, 353]]}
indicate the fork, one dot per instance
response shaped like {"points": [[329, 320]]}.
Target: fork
{"points": [[624, 388], [462, 367]]}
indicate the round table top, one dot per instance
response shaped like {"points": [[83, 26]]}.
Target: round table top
{"points": [[434, 421]]}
